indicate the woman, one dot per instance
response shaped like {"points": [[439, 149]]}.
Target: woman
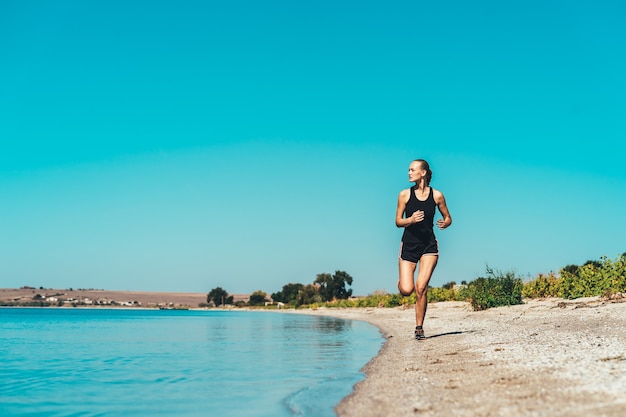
{"points": [[416, 213]]}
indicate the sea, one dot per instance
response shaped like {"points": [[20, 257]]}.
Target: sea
{"points": [[133, 362]]}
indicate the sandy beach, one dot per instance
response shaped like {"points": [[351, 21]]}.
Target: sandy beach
{"points": [[543, 358]]}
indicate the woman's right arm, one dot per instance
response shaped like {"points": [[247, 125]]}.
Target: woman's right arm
{"points": [[400, 220]]}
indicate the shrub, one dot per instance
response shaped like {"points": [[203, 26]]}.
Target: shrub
{"points": [[495, 290], [394, 300], [442, 294], [450, 285], [543, 286], [595, 278], [390, 300], [463, 292], [377, 299]]}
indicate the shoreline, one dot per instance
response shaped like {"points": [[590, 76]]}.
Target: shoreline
{"points": [[550, 357], [547, 357]]}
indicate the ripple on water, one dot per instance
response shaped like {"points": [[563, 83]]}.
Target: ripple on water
{"points": [[108, 362]]}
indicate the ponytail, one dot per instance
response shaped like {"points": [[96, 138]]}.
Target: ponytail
{"points": [[425, 166]]}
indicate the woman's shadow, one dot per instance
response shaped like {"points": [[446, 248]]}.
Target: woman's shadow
{"points": [[449, 334]]}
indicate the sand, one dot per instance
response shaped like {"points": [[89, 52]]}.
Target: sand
{"points": [[543, 358]]}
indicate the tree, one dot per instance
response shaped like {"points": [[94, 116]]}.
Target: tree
{"points": [[258, 298], [597, 264], [572, 269], [219, 296], [325, 282], [334, 286], [450, 285], [309, 294], [289, 293]]}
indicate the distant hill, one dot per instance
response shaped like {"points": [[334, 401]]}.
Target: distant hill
{"points": [[107, 297]]}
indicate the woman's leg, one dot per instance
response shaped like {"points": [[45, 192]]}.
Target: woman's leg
{"points": [[427, 266], [406, 277]]}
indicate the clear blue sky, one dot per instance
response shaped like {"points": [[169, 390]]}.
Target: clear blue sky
{"points": [[185, 145]]}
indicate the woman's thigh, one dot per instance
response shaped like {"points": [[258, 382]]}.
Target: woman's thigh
{"points": [[427, 266], [407, 275]]}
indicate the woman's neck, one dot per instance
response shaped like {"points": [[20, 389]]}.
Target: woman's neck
{"points": [[421, 185]]}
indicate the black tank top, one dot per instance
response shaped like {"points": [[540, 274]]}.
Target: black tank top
{"points": [[421, 232]]}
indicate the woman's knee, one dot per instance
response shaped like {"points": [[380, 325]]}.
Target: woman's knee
{"points": [[421, 291], [405, 290]]}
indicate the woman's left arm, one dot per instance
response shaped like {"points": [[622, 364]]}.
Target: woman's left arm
{"points": [[440, 200]]}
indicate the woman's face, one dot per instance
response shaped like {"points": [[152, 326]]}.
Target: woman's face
{"points": [[416, 172]]}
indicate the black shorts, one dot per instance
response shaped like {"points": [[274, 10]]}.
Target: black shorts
{"points": [[412, 252]]}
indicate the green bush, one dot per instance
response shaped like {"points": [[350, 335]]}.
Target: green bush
{"points": [[378, 299], [595, 278], [617, 274], [463, 293], [495, 290], [442, 294], [345, 303], [543, 286], [391, 300]]}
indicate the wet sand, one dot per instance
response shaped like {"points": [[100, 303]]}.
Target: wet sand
{"points": [[543, 358]]}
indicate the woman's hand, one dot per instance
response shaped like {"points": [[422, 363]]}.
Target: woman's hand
{"points": [[417, 216], [442, 224]]}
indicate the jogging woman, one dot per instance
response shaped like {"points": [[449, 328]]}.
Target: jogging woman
{"points": [[416, 214]]}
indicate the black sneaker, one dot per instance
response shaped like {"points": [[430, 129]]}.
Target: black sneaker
{"points": [[419, 333]]}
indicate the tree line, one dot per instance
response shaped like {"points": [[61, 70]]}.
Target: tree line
{"points": [[605, 277], [325, 287]]}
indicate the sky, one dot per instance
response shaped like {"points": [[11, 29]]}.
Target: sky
{"points": [[185, 145]]}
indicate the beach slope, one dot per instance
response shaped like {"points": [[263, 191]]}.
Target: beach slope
{"points": [[543, 358]]}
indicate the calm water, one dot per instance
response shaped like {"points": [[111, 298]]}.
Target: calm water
{"points": [[96, 362]]}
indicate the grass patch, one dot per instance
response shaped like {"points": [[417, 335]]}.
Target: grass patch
{"points": [[495, 290]]}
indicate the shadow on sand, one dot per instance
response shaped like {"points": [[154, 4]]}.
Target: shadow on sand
{"points": [[449, 334]]}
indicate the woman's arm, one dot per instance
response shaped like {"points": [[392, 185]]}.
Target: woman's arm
{"points": [[440, 200], [418, 216]]}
